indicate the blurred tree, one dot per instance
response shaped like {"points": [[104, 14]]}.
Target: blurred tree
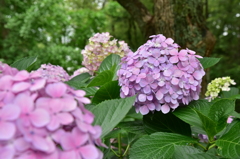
{"points": [[224, 21], [182, 20], [52, 29]]}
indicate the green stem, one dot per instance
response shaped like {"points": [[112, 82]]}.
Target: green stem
{"points": [[213, 145], [119, 146], [201, 146], [114, 152], [126, 150]]}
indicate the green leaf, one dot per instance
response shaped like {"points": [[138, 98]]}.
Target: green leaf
{"points": [[25, 63], [220, 111], [101, 79], [158, 145], [135, 127], [229, 143], [111, 61], [188, 152], [109, 113], [90, 91], [84, 77], [189, 113], [229, 94], [76, 84], [110, 90], [159, 122], [208, 61]]}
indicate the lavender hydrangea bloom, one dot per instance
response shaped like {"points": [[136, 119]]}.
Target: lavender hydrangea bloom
{"points": [[160, 75], [99, 47], [39, 115], [53, 72]]}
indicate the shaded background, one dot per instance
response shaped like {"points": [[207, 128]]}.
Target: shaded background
{"points": [[57, 30]]}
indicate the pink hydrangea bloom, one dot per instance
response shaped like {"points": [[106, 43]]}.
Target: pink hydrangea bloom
{"points": [[53, 72], [161, 75], [79, 71], [99, 47], [39, 118]]}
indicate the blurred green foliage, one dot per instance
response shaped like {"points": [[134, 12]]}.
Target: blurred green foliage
{"points": [[57, 30]]}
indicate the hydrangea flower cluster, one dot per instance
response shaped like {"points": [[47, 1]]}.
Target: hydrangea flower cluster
{"points": [[99, 47], [45, 119], [79, 71], [5, 69], [53, 72], [160, 75], [218, 84]]}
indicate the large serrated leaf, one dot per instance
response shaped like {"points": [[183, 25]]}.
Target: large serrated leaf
{"points": [[208, 61], [189, 114], [160, 145], [159, 122], [109, 113], [188, 152], [25, 63], [101, 79], [112, 60], [83, 77], [110, 90], [229, 143], [90, 91]]}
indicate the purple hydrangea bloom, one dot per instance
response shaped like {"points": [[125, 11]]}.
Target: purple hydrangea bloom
{"points": [[45, 119], [99, 47], [53, 72], [161, 75]]}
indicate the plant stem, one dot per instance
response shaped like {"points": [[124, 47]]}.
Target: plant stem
{"points": [[119, 146], [201, 146], [126, 150]]}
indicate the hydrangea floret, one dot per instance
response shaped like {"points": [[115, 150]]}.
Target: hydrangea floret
{"points": [[53, 72], [161, 75], [217, 85], [99, 47], [45, 119]]}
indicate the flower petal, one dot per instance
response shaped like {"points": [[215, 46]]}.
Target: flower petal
{"points": [[40, 117], [56, 90], [8, 130], [89, 152]]}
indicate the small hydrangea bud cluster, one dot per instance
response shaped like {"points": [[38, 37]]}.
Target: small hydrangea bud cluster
{"points": [[79, 71], [161, 76], [217, 85], [99, 47], [53, 72], [45, 119]]}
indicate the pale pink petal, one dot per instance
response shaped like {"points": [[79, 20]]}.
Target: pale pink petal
{"points": [[56, 90], [54, 123], [38, 84], [165, 108], [69, 104], [24, 102], [167, 72], [173, 52], [169, 41], [8, 130], [175, 81], [125, 90], [18, 87], [197, 75], [89, 152], [6, 82], [7, 152], [40, 143], [67, 142], [173, 59], [64, 118], [68, 155], [142, 97], [43, 102], [40, 117], [144, 110], [159, 95], [151, 106], [10, 112], [21, 76], [21, 144], [79, 93], [79, 137]]}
